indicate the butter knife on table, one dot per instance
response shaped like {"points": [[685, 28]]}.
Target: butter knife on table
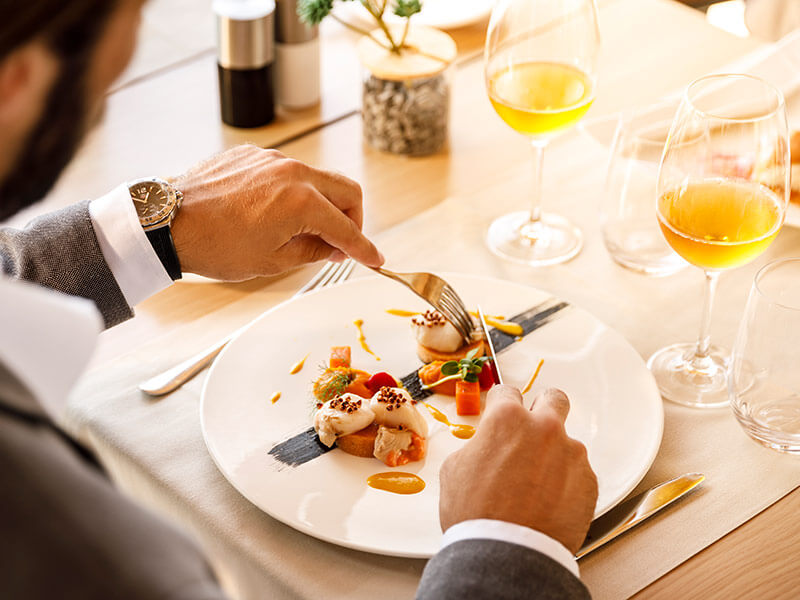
{"points": [[633, 511]]}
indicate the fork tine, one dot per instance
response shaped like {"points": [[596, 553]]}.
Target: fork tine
{"points": [[458, 308], [349, 265], [448, 289], [330, 278], [451, 314], [315, 280]]}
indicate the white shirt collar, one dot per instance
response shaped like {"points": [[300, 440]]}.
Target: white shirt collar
{"points": [[46, 340]]}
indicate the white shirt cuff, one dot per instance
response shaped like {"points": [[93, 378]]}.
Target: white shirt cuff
{"points": [[128, 252], [490, 529]]}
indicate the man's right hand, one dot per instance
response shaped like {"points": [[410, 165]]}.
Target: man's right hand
{"points": [[250, 212], [521, 467]]}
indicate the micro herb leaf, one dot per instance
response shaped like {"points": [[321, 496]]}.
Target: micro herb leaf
{"points": [[449, 368], [406, 8], [471, 377], [471, 354]]}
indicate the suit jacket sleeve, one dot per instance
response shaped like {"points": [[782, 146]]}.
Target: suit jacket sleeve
{"points": [[479, 568], [60, 251], [67, 534]]}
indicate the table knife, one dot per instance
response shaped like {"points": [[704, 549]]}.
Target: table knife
{"points": [[495, 366], [633, 511]]}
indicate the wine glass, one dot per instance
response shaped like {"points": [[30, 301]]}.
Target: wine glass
{"points": [[539, 64], [728, 144], [764, 381]]}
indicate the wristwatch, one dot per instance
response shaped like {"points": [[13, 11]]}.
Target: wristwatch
{"points": [[156, 203]]}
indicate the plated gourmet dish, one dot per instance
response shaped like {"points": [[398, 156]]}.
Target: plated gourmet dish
{"points": [[374, 416]]}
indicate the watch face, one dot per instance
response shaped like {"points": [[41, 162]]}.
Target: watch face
{"points": [[152, 200]]}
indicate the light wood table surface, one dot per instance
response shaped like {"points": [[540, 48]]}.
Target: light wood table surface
{"points": [[163, 117]]}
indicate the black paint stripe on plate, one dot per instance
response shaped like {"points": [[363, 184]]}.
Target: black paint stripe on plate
{"points": [[305, 446], [299, 449]]}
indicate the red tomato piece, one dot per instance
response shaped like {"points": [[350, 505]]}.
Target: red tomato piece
{"points": [[379, 380]]}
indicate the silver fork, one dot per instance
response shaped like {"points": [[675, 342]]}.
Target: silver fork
{"points": [[439, 294], [171, 379]]}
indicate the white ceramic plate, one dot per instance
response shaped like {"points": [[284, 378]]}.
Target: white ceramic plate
{"points": [[616, 408], [442, 14]]}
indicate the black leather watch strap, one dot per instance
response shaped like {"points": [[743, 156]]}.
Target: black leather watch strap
{"points": [[161, 240]]}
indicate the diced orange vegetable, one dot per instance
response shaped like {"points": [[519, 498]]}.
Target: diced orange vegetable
{"points": [[340, 356], [431, 373], [358, 385], [468, 398]]}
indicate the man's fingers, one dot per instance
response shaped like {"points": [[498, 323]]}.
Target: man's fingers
{"points": [[553, 400], [503, 393], [325, 220], [343, 193]]}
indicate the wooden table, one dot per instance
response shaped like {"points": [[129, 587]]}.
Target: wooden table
{"points": [[163, 117]]}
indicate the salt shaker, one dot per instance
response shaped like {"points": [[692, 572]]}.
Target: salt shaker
{"points": [[296, 58], [246, 54]]}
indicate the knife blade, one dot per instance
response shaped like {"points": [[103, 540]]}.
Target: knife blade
{"points": [[495, 365], [633, 511]]}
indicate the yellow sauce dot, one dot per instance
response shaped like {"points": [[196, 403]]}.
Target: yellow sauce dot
{"points": [[298, 366], [463, 432], [396, 482]]}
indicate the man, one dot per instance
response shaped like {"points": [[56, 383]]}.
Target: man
{"points": [[65, 532]]}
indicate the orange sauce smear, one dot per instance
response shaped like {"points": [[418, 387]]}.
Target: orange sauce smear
{"points": [[298, 366], [463, 432], [529, 385], [396, 482], [399, 312], [359, 323], [275, 397]]}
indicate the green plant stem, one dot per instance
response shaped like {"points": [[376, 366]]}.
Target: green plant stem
{"points": [[368, 5], [442, 380], [405, 32], [360, 31]]}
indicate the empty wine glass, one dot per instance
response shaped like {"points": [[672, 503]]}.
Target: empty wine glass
{"points": [[764, 380]]}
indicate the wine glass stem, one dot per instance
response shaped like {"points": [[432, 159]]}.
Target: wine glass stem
{"points": [[701, 358], [536, 184]]}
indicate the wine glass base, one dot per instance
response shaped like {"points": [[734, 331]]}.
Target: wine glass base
{"points": [[549, 241], [685, 380]]}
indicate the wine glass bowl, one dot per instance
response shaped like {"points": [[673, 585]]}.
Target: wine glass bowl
{"points": [[715, 209], [764, 381], [539, 66]]}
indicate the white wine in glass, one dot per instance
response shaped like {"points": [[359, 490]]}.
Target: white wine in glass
{"points": [[714, 210], [540, 62]]}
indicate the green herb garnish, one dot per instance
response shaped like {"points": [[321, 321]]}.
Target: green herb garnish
{"points": [[467, 369]]}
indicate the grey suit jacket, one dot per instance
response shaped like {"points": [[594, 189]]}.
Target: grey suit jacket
{"points": [[65, 532], [474, 569]]}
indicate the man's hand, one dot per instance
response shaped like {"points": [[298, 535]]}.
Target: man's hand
{"points": [[249, 212], [521, 467]]}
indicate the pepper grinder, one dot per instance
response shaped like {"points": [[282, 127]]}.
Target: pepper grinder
{"points": [[246, 53], [296, 58]]}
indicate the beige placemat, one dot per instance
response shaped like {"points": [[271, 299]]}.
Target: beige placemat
{"points": [[155, 447]]}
